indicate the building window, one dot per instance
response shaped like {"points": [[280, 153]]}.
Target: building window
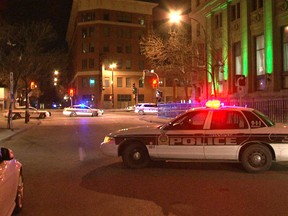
{"points": [[84, 47], [84, 63], [141, 98], [124, 97], [106, 31], [257, 4], [91, 31], [92, 82], [141, 21], [84, 32], [141, 83], [106, 16], [91, 63], [128, 49], [119, 82], [119, 48], [88, 16], [218, 20], [128, 64], [106, 82], [106, 47], [235, 11], [107, 97], [285, 57], [141, 65], [128, 82], [119, 64], [201, 54], [127, 33], [124, 17], [260, 63], [237, 58], [91, 47]]}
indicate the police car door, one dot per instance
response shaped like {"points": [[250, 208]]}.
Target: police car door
{"points": [[228, 130], [183, 138]]}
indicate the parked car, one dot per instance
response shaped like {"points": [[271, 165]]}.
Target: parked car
{"points": [[81, 110], [146, 108], [211, 133], [11, 183], [33, 113]]}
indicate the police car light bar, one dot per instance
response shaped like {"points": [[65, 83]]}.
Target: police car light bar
{"points": [[213, 104]]}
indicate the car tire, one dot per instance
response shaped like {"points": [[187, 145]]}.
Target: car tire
{"points": [[135, 156], [141, 112], [73, 114], [42, 116], [19, 195], [256, 158], [94, 114]]}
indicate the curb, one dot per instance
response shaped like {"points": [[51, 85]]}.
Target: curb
{"points": [[6, 134]]}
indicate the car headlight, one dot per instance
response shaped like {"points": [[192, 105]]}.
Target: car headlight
{"points": [[108, 139]]}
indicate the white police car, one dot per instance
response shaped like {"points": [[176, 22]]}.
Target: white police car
{"points": [[81, 110], [208, 133]]}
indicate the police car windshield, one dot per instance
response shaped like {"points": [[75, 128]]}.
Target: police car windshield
{"points": [[264, 118]]}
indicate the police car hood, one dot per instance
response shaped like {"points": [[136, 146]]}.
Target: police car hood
{"points": [[137, 130]]}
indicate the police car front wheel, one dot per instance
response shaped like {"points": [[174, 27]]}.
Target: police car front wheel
{"points": [[256, 158], [135, 156]]}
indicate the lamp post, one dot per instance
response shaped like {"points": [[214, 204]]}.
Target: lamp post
{"points": [[175, 17], [112, 66]]}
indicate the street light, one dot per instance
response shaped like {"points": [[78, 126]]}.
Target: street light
{"points": [[112, 66], [56, 73], [175, 17]]}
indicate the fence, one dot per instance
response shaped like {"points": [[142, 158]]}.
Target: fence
{"points": [[276, 109]]}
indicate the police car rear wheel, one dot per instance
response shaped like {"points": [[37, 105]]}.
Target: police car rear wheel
{"points": [[135, 156], [73, 114], [256, 158]]}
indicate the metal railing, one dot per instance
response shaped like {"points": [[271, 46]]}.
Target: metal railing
{"points": [[276, 109]]}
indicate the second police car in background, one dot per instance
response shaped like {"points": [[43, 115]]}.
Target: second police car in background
{"points": [[215, 132], [81, 110]]}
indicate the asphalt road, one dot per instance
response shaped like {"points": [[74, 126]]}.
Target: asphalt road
{"points": [[66, 174]]}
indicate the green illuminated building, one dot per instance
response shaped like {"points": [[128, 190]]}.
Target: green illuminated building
{"points": [[246, 45]]}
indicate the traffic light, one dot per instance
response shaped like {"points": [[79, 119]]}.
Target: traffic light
{"points": [[71, 92], [154, 83]]}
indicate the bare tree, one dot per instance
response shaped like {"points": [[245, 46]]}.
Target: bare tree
{"points": [[26, 51], [171, 56]]}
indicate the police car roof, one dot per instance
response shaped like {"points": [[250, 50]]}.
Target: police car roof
{"points": [[223, 108]]}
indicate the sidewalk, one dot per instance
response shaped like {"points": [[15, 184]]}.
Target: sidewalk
{"points": [[18, 126]]}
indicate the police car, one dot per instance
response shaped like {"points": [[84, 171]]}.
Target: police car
{"points": [[214, 132]]}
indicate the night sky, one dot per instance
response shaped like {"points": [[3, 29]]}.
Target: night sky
{"points": [[55, 11]]}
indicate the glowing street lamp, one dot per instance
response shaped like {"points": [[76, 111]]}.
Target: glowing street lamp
{"points": [[176, 17]]}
